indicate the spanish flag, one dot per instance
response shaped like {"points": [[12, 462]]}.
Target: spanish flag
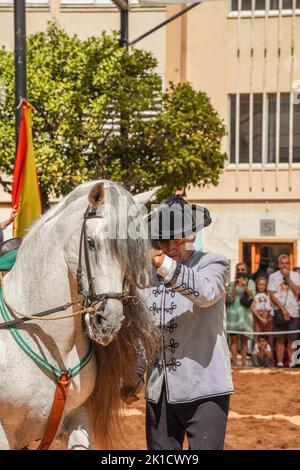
{"points": [[25, 188]]}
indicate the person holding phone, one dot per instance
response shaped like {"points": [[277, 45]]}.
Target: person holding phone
{"points": [[239, 316], [284, 290]]}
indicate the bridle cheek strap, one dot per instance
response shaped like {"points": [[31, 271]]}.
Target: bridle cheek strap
{"points": [[91, 297]]}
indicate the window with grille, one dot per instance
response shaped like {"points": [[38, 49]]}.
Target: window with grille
{"points": [[275, 128], [86, 2], [93, 2], [261, 5], [28, 2]]}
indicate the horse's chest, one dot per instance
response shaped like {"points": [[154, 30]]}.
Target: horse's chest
{"points": [[27, 411]]}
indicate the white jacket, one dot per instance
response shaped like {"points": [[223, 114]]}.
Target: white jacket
{"points": [[193, 357]]}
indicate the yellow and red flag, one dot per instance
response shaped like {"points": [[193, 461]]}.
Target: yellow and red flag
{"points": [[25, 188]]}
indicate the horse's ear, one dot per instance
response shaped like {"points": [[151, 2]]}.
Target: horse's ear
{"points": [[143, 198], [96, 195]]}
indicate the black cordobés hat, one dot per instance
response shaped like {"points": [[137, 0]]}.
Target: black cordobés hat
{"points": [[176, 218]]}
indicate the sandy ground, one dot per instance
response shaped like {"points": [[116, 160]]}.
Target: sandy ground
{"points": [[264, 412]]}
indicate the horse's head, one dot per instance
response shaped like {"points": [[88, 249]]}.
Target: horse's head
{"points": [[114, 255]]}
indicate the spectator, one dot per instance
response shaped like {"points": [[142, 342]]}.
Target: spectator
{"points": [[262, 309], [239, 317], [297, 270], [262, 352], [7, 222], [284, 289]]}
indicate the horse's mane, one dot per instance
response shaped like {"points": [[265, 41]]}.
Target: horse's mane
{"points": [[116, 362], [117, 367], [61, 206]]}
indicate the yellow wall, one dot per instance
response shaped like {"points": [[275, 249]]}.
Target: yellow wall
{"points": [[90, 21]]}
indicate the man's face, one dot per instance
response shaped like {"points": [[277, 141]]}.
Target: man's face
{"points": [[179, 250], [284, 264]]}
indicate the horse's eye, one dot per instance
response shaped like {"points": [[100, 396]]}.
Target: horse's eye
{"points": [[91, 243]]}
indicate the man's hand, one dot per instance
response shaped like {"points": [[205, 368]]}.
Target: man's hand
{"points": [[157, 257], [285, 272]]}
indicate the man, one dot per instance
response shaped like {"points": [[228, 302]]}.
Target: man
{"points": [[284, 289], [189, 381]]}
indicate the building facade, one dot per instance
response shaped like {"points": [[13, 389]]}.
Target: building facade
{"points": [[245, 54]]}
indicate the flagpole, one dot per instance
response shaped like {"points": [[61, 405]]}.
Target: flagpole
{"points": [[20, 60], [123, 42]]}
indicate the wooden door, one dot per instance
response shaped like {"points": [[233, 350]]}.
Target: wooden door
{"points": [[252, 252]]}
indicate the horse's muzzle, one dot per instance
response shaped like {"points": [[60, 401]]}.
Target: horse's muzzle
{"points": [[106, 322]]}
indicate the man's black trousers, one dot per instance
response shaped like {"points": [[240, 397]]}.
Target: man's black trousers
{"points": [[203, 421]]}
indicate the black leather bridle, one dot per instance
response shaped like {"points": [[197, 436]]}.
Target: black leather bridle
{"points": [[91, 297]]}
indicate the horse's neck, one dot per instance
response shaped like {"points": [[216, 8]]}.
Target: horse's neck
{"points": [[40, 281]]}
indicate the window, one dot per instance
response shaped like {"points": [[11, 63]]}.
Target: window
{"points": [[86, 2], [244, 129], [28, 2], [92, 2], [296, 125], [273, 107], [257, 127], [260, 5], [272, 128], [232, 128], [284, 127]]}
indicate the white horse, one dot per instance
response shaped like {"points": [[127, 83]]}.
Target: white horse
{"points": [[44, 277]]}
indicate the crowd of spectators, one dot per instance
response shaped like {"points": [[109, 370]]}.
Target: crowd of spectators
{"points": [[263, 315]]}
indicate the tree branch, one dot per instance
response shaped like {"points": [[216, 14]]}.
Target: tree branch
{"points": [[7, 185]]}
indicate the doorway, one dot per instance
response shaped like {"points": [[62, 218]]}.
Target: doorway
{"points": [[257, 252]]}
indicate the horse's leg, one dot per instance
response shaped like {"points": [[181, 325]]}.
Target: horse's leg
{"points": [[4, 444], [76, 425]]}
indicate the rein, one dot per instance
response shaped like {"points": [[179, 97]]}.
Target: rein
{"points": [[91, 299]]}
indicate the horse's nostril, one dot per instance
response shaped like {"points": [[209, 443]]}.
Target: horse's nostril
{"points": [[99, 318]]}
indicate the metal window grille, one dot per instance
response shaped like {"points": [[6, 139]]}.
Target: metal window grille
{"points": [[265, 128], [260, 5]]}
